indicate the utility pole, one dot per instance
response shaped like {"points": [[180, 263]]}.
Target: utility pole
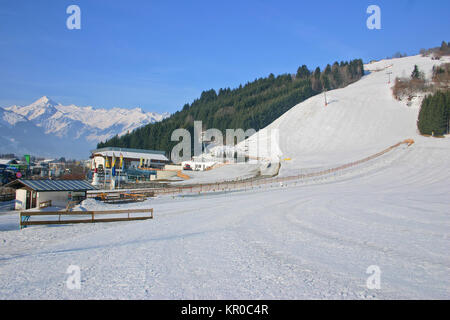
{"points": [[389, 74], [325, 95], [448, 125]]}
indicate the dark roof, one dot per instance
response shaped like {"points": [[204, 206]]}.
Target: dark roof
{"points": [[128, 150], [53, 185]]}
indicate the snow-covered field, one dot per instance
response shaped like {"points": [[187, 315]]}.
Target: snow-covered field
{"points": [[310, 239]]}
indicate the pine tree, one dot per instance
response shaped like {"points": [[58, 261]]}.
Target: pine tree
{"points": [[434, 114], [303, 72], [416, 72]]}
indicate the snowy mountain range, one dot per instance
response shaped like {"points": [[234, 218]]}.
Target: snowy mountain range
{"points": [[48, 128]]}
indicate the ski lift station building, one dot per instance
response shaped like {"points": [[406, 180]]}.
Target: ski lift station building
{"points": [[32, 193], [132, 158]]}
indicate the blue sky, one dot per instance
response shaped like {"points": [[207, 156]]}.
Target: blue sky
{"points": [[159, 55]]}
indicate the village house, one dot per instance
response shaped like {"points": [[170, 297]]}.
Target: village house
{"points": [[132, 158]]}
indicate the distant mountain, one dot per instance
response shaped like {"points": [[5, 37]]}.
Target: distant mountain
{"points": [[19, 135], [69, 131]]}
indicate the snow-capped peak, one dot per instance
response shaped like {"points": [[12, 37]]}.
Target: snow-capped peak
{"points": [[45, 101], [87, 125], [39, 110], [9, 118]]}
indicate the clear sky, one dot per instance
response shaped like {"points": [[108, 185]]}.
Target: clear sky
{"points": [[159, 55]]}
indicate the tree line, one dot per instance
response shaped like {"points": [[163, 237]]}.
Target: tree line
{"points": [[434, 115], [253, 105]]}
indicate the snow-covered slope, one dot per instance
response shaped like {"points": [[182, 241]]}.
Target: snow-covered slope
{"points": [[360, 120], [306, 239], [83, 127]]}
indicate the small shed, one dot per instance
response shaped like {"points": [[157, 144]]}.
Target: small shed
{"points": [[31, 193]]}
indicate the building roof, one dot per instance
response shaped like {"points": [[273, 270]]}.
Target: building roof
{"points": [[117, 149], [131, 153], [8, 161], [52, 185]]}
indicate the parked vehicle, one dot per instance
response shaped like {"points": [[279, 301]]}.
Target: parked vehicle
{"points": [[6, 176]]}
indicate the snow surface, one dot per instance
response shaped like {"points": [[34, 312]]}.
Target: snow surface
{"points": [[360, 120], [305, 239]]}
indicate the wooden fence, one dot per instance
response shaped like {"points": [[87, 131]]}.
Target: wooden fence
{"points": [[121, 197], [7, 197], [92, 216], [259, 182], [128, 193], [45, 204]]}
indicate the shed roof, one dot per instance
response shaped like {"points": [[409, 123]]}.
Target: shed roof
{"points": [[52, 185]]}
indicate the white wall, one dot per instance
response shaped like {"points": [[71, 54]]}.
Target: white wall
{"points": [[165, 174], [21, 198], [173, 167], [98, 161], [59, 198]]}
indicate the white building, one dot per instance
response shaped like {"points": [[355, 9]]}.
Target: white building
{"points": [[7, 162], [198, 165], [133, 158], [31, 193]]}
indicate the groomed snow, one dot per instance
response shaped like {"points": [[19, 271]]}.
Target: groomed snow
{"points": [[310, 239], [360, 120]]}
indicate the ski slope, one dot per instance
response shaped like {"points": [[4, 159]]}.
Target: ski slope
{"points": [[360, 119], [310, 239]]}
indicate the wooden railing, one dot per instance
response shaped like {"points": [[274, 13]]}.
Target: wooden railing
{"points": [[71, 204], [45, 204], [258, 182], [7, 197], [122, 197], [92, 216]]}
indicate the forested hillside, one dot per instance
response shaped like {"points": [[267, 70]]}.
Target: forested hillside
{"points": [[434, 116], [254, 105]]}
